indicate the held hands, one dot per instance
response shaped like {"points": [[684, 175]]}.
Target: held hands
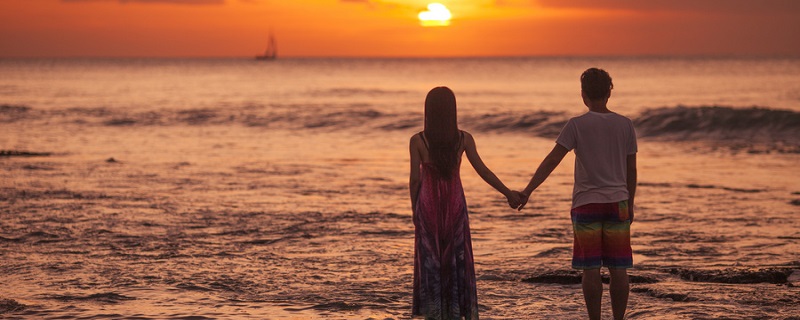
{"points": [[523, 199], [513, 199], [516, 200]]}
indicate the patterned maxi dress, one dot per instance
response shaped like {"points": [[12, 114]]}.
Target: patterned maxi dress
{"points": [[444, 271]]}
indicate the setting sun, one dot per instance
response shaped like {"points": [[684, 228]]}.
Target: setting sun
{"points": [[437, 15]]}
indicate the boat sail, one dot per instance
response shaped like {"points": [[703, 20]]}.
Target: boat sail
{"points": [[272, 50]]}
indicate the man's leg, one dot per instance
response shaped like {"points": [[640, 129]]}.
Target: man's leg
{"points": [[619, 292], [592, 292], [587, 253], [617, 256]]}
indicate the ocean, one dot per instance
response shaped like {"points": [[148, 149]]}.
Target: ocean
{"points": [[168, 188]]}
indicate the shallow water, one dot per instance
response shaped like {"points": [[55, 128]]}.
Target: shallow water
{"points": [[255, 211], [265, 228]]}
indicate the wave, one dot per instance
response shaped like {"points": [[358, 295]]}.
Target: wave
{"points": [[18, 153], [10, 305], [348, 92], [13, 113], [681, 123], [735, 276], [719, 123], [574, 277], [542, 123], [107, 297], [341, 117], [659, 293]]}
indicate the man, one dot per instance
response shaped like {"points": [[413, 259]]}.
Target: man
{"points": [[603, 193]]}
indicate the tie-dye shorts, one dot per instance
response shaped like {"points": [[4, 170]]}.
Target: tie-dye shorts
{"points": [[602, 236]]}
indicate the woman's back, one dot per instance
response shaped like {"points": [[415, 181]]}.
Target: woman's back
{"points": [[444, 271], [444, 275]]}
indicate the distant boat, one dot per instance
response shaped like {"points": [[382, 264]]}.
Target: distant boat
{"points": [[272, 50]]}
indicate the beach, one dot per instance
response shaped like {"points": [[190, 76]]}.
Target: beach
{"points": [[225, 189]]}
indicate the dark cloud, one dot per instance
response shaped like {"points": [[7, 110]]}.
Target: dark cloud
{"points": [[188, 2], [724, 6]]}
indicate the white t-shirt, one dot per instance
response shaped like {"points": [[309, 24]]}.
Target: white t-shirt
{"points": [[602, 143]]}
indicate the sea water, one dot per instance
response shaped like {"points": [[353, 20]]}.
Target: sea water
{"points": [[234, 188]]}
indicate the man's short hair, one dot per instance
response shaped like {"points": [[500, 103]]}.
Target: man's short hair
{"points": [[596, 83]]}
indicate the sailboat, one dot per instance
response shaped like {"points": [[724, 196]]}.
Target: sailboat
{"points": [[272, 50]]}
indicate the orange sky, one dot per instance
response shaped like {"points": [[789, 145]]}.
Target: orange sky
{"points": [[380, 28]]}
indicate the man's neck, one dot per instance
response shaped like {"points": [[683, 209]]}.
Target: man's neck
{"points": [[598, 106]]}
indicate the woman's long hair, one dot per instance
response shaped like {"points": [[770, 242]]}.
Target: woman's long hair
{"points": [[441, 129]]}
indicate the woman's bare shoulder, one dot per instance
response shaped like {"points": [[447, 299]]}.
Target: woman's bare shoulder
{"points": [[468, 137], [416, 139]]}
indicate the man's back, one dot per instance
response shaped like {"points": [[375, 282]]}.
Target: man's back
{"points": [[602, 142]]}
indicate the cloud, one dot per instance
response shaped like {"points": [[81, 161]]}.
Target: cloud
{"points": [[701, 6], [187, 2]]}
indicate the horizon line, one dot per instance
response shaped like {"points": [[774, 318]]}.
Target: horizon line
{"points": [[309, 57]]}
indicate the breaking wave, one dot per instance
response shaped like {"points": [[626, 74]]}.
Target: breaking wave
{"points": [[710, 123], [719, 123]]}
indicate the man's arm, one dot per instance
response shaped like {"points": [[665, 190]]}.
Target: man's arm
{"points": [[631, 168], [545, 168]]}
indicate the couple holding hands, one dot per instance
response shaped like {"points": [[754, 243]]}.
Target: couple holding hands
{"points": [[602, 203]]}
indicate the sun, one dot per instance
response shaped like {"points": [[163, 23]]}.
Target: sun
{"points": [[437, 15]]}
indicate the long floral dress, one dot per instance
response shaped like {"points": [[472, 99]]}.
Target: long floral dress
{"points": [[444, 271]]}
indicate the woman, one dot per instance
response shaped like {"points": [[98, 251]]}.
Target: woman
{"points": [[444, 272]]}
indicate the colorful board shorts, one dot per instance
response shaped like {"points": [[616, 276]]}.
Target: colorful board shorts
{"points": [[602, 236]]}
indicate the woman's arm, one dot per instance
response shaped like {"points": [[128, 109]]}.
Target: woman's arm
{"points": [[413, 178], [487, 175]]}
